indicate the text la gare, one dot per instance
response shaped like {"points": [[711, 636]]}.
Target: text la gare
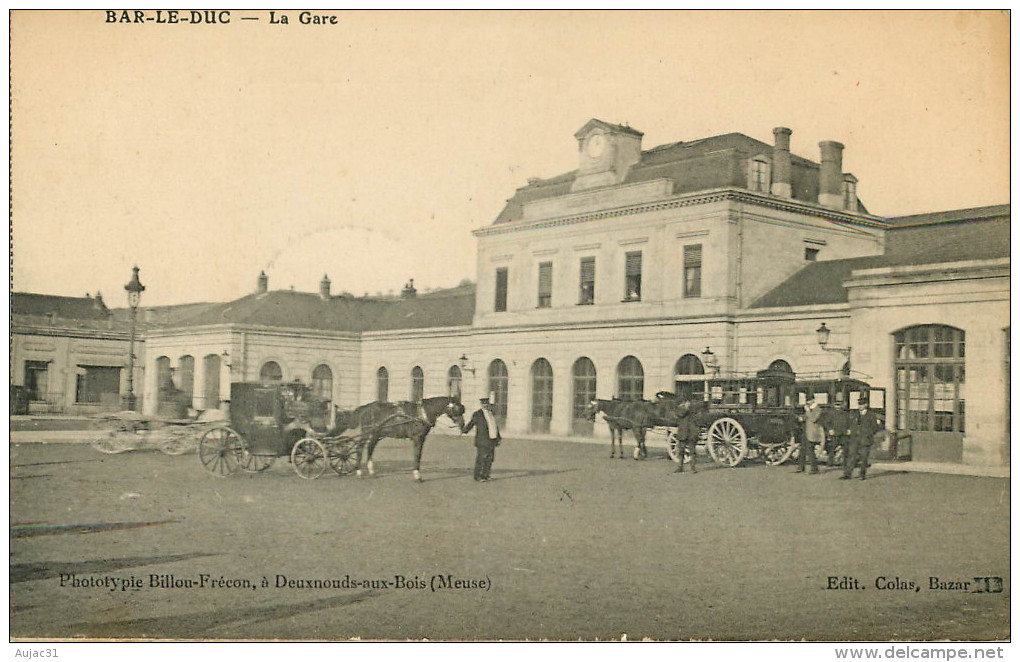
{"points": [[305, 18]]}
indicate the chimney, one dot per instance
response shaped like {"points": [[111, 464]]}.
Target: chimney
{"points": [[830, 176], [324, 287], [98, 302], [781, 182], [263, 283], [409, 292]]}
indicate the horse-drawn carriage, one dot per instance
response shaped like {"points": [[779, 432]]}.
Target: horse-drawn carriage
{"points": [[740, 416], [761, 416], [130, 431], [271, 420]]}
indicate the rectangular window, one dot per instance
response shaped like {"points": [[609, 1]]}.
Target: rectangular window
{"points": [[36, 374], [98, 385], [692, 270], [501, 282], [811, 254], [587, 295], [545, 276], [633, 276]]}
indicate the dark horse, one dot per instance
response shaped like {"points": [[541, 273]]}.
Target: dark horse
{"points": [[639, 416], [400, 420]]}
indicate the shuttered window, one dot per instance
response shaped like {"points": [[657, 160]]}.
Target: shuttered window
{"points": [[692, 270], [587, 295], [545, 276], [633, 276], [501, 282]]}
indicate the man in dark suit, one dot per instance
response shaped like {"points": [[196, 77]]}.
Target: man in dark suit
{"points": [[863, 428], [839, 419], [687, 434], [487, 437]]}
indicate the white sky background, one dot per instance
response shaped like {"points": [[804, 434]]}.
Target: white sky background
{"points": [[370, 150]]}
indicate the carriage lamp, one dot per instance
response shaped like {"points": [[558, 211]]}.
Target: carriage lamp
{"points": [[710, 361], [823, 341], [134, 290], [464, 363]]}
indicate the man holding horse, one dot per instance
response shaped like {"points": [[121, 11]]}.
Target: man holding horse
{"points": [[687, 434], [487, 437]]}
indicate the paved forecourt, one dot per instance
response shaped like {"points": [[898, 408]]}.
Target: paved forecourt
{"points": [[564, 543]]}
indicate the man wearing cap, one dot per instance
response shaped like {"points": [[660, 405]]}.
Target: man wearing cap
{"points": [[865, 425], [487, 437]]}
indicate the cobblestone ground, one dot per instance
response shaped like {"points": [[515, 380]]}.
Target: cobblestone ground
{"points": [[564, 543]]}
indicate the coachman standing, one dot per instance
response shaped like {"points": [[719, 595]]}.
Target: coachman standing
{"points": [[487, 437], [865, 425]]}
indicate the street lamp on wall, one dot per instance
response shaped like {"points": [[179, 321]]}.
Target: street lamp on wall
{"points": [[823, 333], [134, 294], [465, 364]]}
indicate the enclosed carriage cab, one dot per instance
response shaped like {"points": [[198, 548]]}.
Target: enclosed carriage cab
{"points": [[272, 417]]}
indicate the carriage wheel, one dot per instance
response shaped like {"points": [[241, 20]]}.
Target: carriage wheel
{"points": [[343, 457], [727, 442], [220, 451], [309, 458], [177, 444], [776, 454], [674, 452], [119, 437], [254, 464]]}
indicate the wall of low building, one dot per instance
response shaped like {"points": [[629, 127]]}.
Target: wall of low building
{"points": [[972, 298], [64, 355], [789, 334]]}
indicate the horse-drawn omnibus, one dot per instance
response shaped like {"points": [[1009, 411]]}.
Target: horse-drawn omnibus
{"points": [[760, 415]]}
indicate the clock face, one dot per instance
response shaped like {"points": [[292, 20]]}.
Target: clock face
{"points": [[596, 145]]}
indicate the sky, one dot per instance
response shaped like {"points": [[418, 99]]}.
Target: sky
{"points": [[370, 149]]}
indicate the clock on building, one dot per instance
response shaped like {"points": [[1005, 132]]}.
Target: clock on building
{"points": [[596, 145]]}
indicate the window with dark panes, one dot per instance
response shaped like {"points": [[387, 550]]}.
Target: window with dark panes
{"points": [[322, 382], [632, 269], [97, 385], [631, 379], [545, 276], [271, 372], [692, 270], [417, 384], [587, 295], [501, 285], [811, 254], [36, 379]]}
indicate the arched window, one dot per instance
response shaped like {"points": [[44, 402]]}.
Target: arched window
{"points": [[322, 382], [271, 372], [453, 382], [382, 385], [541, 396], [686, 373], [164, 378], [584, 379], [930, 390], [631, 379], [499, 388], [211, 381], [780, 365], [417, 384], [186, 376]]}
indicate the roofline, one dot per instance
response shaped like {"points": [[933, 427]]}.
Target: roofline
{"points": [[991, 211], [687, 200]]}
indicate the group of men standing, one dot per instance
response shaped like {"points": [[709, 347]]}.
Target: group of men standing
{"points": [[853, 431]]}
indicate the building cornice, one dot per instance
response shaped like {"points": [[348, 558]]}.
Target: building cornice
{"points": [[928, 273], [253, 328], [688, 200], [58, 332]]}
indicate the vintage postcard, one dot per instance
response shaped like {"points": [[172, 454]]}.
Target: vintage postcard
{"points": [[510, 326]]}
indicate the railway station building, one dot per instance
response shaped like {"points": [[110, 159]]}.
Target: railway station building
{"points": [[645, 270]]}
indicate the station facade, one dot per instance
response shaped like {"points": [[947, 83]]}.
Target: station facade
{"points": [[649, 270]]}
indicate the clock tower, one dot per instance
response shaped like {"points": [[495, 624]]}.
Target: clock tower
{"points": [[606, 153]]}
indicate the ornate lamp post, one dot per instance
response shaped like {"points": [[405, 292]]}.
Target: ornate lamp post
{"points": [[823, 342], [134, 290], [709, 360]]}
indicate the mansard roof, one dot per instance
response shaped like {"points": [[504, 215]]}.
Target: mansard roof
{"points": [[981, 233], [695, 165], [344, 313]]}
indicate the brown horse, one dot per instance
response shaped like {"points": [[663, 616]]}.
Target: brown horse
{"points": [[635, 415], [400, 420]]}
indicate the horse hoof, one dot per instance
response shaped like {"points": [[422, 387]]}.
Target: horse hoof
{"points": [[417, 475], [358, 473]]}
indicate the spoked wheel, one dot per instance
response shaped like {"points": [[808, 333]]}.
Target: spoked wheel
{"points": [[309, 458], [177, 443], [727, 442], [119, 437], [220, 451], [776, 454], [254, 464], [674, 449], [343, 458]]}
